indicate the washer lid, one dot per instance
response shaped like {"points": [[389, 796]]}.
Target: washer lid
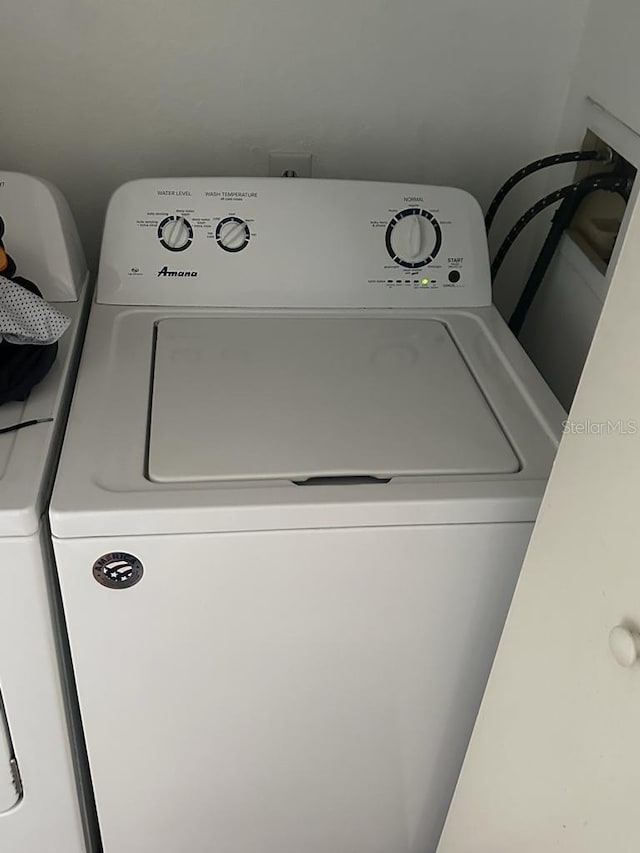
{"points": [[297, 398]]}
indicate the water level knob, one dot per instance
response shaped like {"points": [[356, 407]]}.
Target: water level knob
{"points": [[175, 233]]}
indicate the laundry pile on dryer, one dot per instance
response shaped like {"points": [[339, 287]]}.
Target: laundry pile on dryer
{"points": [[29, 331]]}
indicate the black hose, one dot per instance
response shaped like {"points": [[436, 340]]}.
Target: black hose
{"points": [[593, 182], [531, 168], [561, 221], [23, 424]]}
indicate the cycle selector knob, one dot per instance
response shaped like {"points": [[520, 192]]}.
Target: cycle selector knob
{"points": [[232, 234], [175, 233], [413, 238]]}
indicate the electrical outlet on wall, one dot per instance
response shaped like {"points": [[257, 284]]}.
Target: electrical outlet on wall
{"points": [[289, 165]]}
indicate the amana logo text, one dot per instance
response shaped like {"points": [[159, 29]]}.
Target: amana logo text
{"points": [[178, 273]]}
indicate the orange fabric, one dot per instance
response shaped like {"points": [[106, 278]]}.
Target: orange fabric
{"points": [[4, 263]]}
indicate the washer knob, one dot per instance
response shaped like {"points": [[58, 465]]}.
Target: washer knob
{"points": [[232, 234], [175, 233], [625, 645], [413, 238]]}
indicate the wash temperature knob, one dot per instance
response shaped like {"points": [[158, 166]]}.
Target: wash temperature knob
{"points": [[232, 234]]}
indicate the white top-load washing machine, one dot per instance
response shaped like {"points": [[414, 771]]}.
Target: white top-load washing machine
{"points": [[302, 466], [39, 808]]}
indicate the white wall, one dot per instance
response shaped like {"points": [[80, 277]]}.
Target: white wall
{"points": [[563, 317], [608, 66], [100, 91]]}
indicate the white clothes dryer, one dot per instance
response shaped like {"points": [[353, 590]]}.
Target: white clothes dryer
{"points": [[39, 807], [302, 467]]}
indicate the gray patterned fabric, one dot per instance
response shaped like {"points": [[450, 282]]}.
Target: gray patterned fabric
{"points": [[26, 318]]}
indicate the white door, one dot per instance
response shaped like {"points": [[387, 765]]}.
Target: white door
{"points": [[554, 763]]}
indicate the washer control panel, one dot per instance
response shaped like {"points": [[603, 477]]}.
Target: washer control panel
{"points": [[272, 242]]}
